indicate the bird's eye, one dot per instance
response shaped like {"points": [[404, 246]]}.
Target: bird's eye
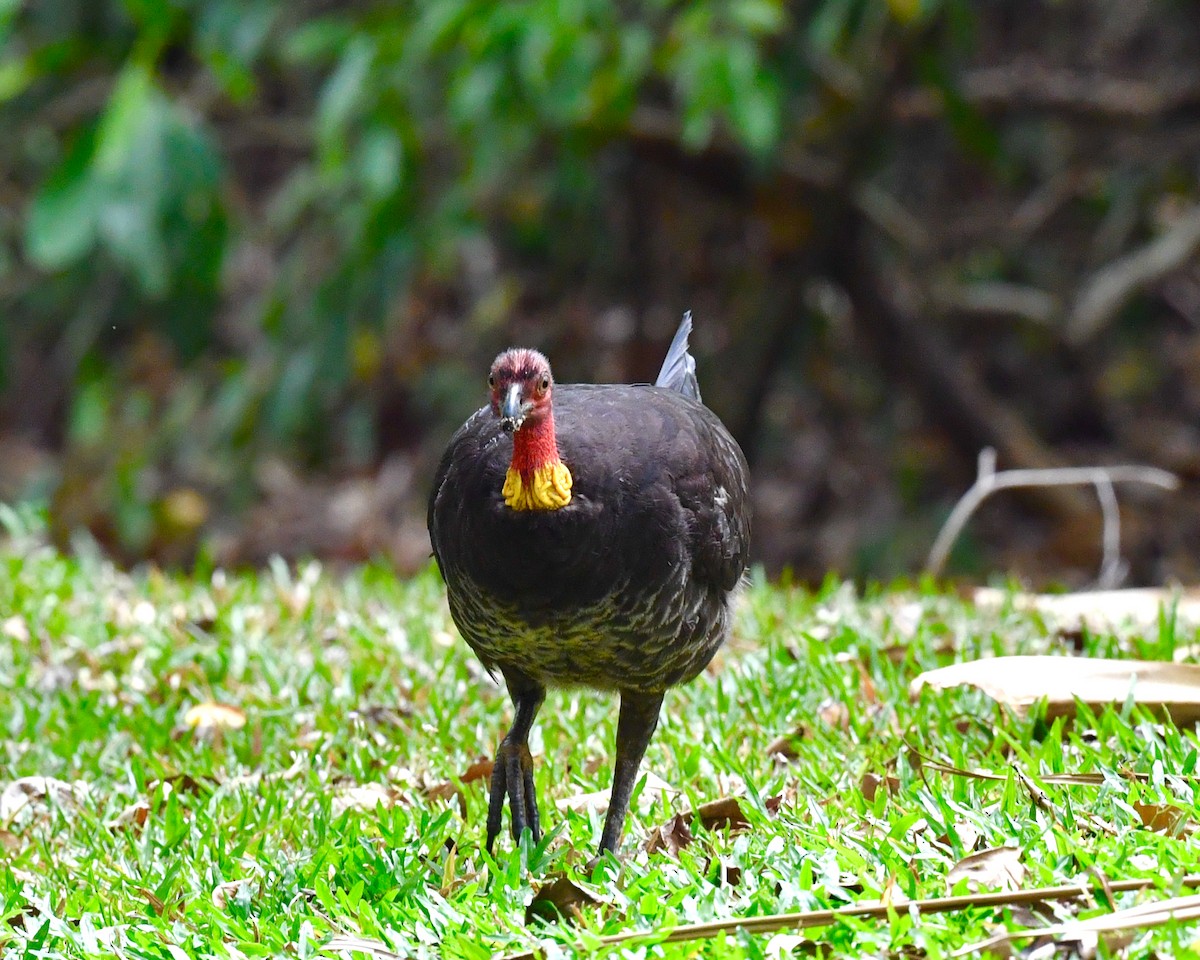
{"points": [[545, 384], [491, 380]]}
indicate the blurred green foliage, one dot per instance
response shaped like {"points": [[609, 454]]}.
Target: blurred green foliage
{"points": [[244, 233], [245, 193]]}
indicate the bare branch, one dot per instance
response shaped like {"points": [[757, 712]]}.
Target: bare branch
{"points": [[1112, 567], [887, 213], [1004, 299], [1111, 287], [1027, 85], [989, 481]]}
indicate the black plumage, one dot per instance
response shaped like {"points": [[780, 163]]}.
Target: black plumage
{"points": [[627, 587]]}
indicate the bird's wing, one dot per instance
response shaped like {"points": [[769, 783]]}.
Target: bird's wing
{"points": [[445, 468], [678, 371]]}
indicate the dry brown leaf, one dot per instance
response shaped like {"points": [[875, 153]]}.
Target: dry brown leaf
{"points": [[597, 801], [835, 713], [995, 867], [15, 628], [1164, 818], [30, 792], [183, 782], [133, 817], [1097, 610], [786, 945], [481, 769], [725, 813], [892, 895], [561, 898], [160, 906], [866, 685], [347, 943], [783, 748], [965, 832], [786, 799], [1020, 682], [224, 892], [672, 836], [365, 797], [214, 716], [676, 833], [871, 782], [723, 874]]}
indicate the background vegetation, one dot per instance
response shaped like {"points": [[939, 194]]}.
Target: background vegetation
{"points": [[255, 257]]}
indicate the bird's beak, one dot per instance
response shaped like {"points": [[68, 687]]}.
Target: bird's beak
{"points": [[512, 409]]}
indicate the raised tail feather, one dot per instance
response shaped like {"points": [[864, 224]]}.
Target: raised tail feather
{"points": [[678, 371]]}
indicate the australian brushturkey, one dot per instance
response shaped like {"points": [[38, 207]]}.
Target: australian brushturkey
{"points": [[589, 535]]}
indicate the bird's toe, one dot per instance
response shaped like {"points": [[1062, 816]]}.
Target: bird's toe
{"points": [[532, 819], [512, 779]]}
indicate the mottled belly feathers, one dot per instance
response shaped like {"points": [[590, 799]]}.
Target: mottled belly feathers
{"points": [[629, 584]]}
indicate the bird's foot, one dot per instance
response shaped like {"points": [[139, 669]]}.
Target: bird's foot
{"points": [[512, 777], [606, 864]]}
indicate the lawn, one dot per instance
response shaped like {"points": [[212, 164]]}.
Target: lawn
{"points": [[329, 798]]}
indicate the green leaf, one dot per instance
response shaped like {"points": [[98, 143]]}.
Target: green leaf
{"points": [[16, 74], [90, 413], [124, 119], [971, 128], [62, 221], [317, 41], [131, 232], [754, 113], [380, 158], [342, 93], [905, 11], [758, 16]]}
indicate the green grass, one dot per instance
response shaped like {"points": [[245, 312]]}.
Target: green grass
{"points": [[356, 679]]}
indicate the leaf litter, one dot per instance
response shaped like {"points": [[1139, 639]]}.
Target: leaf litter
{"points": [[676, 834], [205, 717], [30, 795], [1019, 682], [997, 867]]}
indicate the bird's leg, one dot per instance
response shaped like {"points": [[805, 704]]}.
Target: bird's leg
{"points": [[639, 717], [512, 774]]}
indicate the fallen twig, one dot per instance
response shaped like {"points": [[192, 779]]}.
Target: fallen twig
{"points": [[1051, 779], [989, 481], [1144, 915], [823, 918]]}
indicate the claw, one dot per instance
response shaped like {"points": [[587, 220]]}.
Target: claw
{"points": [[512, 777]]}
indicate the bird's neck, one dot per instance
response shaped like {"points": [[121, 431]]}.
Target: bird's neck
{"points": [[537, 479]]}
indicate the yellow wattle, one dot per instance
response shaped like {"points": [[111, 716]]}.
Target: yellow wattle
{"points": [[548, 489]]}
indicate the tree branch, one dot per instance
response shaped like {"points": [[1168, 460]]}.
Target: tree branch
{"points": [[1111, 287], [1026, 85], [1102, 478]]}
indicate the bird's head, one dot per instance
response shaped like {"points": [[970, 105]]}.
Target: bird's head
{"points": [[521, 385]]}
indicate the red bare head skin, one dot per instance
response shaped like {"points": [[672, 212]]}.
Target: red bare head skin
{"points": [[530, 372], [521, 388]]}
